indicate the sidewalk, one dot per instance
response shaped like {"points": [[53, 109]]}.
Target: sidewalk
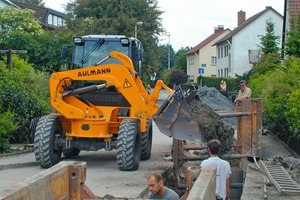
{"points": [[254, 186], [25, 159]]}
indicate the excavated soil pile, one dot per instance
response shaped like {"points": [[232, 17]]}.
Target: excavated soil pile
{"points": [[211, 126], [216, 101]]}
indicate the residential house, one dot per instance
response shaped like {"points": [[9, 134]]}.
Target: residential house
{"points": [[239, 49], [291, 10], [201, 60], [50, 19]]}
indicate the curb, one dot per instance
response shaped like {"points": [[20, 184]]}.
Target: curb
{"points": [[18, 165], [16, 153]]}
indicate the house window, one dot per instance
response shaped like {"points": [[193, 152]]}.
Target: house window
{"points": [[191, 60], [59, 21], [226, 51], [229, 63], [50, 19], [54, 20], [191, 78], [219, 52], [203, 65], [213, 60]]}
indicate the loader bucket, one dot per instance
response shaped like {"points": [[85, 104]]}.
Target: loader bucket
{"points": [[174, 118]]}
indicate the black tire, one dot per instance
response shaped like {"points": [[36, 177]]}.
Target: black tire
{"points": [[129, 145], [147, 142], [32, 127], [45, 154], [73, 152]]}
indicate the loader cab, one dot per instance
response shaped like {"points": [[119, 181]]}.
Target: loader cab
{"points": [[89, 50]]}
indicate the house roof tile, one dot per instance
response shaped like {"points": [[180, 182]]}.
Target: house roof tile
{"points": [[206, 41], [10, 3], [40, 12], [245, 24]]}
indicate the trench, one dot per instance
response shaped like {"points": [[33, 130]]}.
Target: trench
{"points": [[175, 183], [236, 182]]}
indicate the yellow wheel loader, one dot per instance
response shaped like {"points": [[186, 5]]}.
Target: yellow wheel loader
{"points": [[101, 103]]}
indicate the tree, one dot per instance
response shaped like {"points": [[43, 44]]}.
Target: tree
{"points": [[279, 89], [269, 42], [292, 44], [177, 77], [17, 21], [269, 62], [20, 30], [115, 17], [164, 56], [180, 59], [43, 50]]}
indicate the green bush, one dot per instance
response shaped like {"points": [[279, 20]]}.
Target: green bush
{"points": [[25, 93], [6, 125], [166, 77], [292, 113], [279, 89], [178, 77], [231, 83]]}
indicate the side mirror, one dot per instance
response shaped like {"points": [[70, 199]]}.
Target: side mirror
{"points": [[64, 52]]}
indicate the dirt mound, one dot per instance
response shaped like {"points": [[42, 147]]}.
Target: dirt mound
{"points": [[214, 99], [211, 126], [211, 97]]}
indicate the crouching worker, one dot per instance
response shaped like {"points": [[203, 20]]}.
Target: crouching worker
{"points": [[158, 189]]}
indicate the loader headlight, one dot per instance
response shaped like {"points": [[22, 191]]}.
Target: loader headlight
{"points": [[78, 40], [124, 41]]}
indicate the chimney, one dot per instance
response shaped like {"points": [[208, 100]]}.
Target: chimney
{"points": [[241, 17], [219, 28]]}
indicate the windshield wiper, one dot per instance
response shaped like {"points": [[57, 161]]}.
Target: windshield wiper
{"points": [[93, 49]]}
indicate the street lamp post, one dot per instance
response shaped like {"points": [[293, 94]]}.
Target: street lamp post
{"points": [[169, 61], [135, 28]]}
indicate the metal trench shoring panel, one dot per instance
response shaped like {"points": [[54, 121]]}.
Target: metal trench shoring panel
{"points": [[280, 178]]}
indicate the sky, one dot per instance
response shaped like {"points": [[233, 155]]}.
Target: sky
{"points": [[189, 22]]}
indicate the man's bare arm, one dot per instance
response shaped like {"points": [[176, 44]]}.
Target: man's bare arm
{"points": [[228, 188]]}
